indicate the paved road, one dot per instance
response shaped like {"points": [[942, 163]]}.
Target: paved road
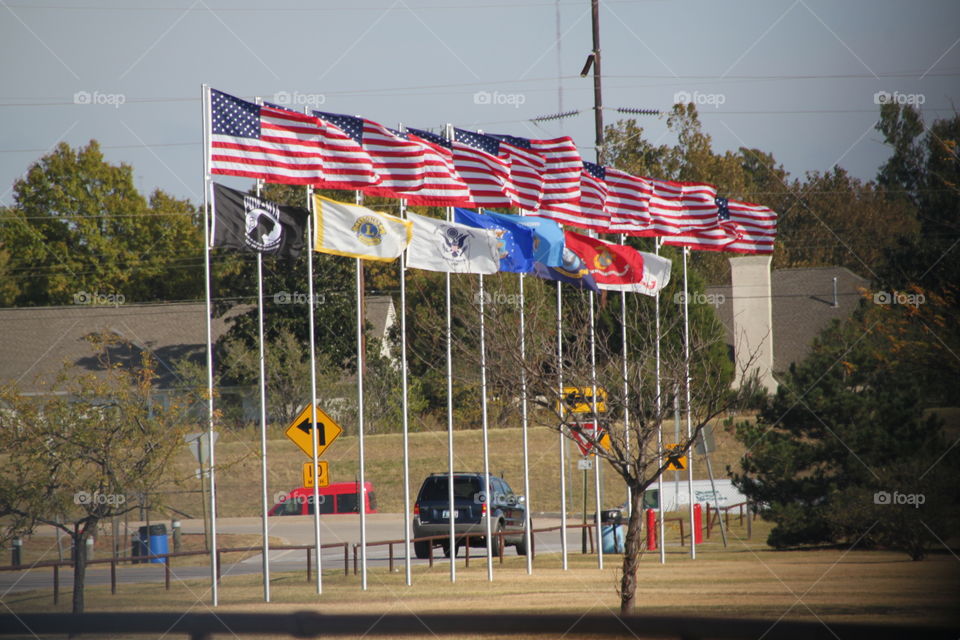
{"points": [[293, 530]]}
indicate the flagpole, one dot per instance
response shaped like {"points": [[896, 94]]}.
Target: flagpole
{"points": [[406, 405], [362, 489], [207, 185], [563, 443], [263, 427], [659, 408], [626, 383], [525, 424], [448, 131], [488, 503], [686, 363], [596, 431], [313, 390]]}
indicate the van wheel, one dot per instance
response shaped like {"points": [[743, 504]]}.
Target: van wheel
{"points": [[522, 545], [446, 548], [422, 549], [497, 540]]}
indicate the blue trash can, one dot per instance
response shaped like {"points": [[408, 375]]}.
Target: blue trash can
{"points": [[154, 540], [612, 531]]}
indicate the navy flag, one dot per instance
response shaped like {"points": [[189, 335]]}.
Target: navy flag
{"points": [[573, 271], [247, 223]]}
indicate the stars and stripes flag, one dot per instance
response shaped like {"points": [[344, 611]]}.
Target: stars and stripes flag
{"points": [[398, 162], [528, 169], [589, 210], [263, 142], [476, 159], [561, 176], [742, 227], [671, 208], [443, 186], [627, 202]]}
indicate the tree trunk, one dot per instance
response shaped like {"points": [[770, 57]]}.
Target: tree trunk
{"points": [[79, 538], [631, 553]]}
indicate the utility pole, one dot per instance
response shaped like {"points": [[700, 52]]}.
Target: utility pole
{"points": [[597, 94]]}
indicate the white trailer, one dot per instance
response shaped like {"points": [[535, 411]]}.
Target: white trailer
{"points": [[677, 496]]}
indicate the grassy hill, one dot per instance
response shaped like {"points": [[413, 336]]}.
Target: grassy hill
{"points": [[238, 491]]}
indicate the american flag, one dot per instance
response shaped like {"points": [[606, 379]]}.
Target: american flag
{"points": [[627, 203], [528, 169], [589, 211], [397, 161], [263, 142], [669, 208], [477, 158], [561, 178], [742, 227], [443, 186]]}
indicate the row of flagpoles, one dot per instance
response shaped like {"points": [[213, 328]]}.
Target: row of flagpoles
{"points": [[270, 143]]}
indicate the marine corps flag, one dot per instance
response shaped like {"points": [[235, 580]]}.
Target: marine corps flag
{"points": [[248, 223], [609, 264], [351, 230]]}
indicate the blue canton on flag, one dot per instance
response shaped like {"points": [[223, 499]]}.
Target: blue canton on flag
{"points": [[724, 209], [233, 116], [350, 125]]}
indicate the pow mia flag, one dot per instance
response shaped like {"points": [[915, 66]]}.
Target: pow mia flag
{"points": [[248, 223]]}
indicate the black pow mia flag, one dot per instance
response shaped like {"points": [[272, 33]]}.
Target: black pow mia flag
{"points": [[248, 223]]}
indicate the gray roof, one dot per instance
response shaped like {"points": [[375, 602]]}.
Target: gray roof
{"points": [[802, 302], [39, 341]]}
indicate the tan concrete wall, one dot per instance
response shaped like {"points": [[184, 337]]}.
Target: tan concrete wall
{"points": [[752, 319]]}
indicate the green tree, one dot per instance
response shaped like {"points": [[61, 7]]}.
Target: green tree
{"points": [[86, 452], [80, 225], [845, 423]]}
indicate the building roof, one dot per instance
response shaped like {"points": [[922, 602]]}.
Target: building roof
{"points": [[39, 341], [802, 306]]}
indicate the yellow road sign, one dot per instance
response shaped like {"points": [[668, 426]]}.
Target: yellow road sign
{"points": [[300, 431], [323, 474], [677, 460], [580, 400]]}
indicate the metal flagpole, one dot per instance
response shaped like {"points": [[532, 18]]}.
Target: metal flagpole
{"points": [[448, 132], [488, 503], [524, 414], [686, 365], [626, 383], [207, 185], [313, 390], [263, 427], [362, 489], [596, 432], [406, 406], [659, 409], [563, 444]]}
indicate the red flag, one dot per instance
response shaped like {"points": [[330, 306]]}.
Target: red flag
{"points": [[609, 264]]}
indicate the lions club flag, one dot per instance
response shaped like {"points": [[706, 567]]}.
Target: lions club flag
{"points": [[438, 245], [351, 230], [609, 264]]}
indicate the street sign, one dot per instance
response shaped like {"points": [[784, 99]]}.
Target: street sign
{"points": [[585, 464], [300, 431], [323, 474], [580, 400], [675, 457], [585, 437], [199, 445]]}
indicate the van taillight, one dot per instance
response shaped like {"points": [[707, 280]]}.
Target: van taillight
{"points": [[416, 508]]}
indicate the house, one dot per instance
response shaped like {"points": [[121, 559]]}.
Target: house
{"points": [[773, 316]]}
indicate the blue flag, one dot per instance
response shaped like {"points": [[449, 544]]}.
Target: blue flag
{"points": [[547, 237], [573, 271], [516, 240]]}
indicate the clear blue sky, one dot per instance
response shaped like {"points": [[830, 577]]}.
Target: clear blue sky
{"points": [[793, 77]]}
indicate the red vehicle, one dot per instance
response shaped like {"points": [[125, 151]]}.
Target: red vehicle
{"points": [[338, 497]]}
